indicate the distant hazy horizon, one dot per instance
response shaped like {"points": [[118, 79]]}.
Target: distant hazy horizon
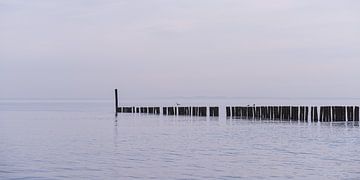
{"points": [[167, 48]]}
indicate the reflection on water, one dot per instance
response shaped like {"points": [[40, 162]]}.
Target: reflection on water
{"points": [[52, 142]]}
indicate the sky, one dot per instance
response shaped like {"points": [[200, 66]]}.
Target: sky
{"points": [[170, 48]]}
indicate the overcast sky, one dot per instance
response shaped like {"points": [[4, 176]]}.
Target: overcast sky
{"points": [[165, 48]]}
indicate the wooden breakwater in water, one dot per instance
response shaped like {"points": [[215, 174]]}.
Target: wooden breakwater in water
{"points": [[172, 111], [295, 113], [282, 113], [268, 112]]}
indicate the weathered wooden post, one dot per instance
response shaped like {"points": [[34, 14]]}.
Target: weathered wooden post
{"points": [[116, 101], [306, 114], [228, 112], [356, 113], [288, 111], [181, 111], [326, 114], [316, 117], [277, 113], [294, 113], [151, 110], [314, 114], [215, 111], [202, 111], [171, 111], [268, 113], [301, 113], [257, 113], [157, 110], [249, 112], [321, 114], [281, 112], [195, 111], [350, 113], [234, 111], [285, 112], [188, 111]]}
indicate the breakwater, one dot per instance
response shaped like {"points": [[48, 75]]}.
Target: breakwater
{"points": [[281, 113]]}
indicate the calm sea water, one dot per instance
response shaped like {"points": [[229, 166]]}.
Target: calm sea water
{"points": [[84, 140]]}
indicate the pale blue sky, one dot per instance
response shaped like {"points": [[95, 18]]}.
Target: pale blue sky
{"points": [[165, 48]]}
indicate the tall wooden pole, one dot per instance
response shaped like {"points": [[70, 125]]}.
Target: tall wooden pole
{"points": [[116, 101]]}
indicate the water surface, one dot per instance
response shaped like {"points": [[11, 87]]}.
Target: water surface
{"points": [[84, 140]]}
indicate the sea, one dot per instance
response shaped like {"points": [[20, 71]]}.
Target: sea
{"points": [[84, 139]]}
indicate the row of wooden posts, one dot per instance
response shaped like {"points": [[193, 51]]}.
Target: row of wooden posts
{"points": [[172, 111], [295, 113], [269, 112], [286, 113]]}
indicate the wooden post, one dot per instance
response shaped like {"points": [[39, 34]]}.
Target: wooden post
{"points": [[321, 114], [214, 111], [302, 113], [157, 109], [194, 111], [328, 114], [268, 113], [277, 113], [271, 113], [356, 113], [316, 117], [228, 112], [257, 113], [116, 101], [249, 112], [181, 111], [171, 111], [350, 113], [202, 111], [294, 113]]}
